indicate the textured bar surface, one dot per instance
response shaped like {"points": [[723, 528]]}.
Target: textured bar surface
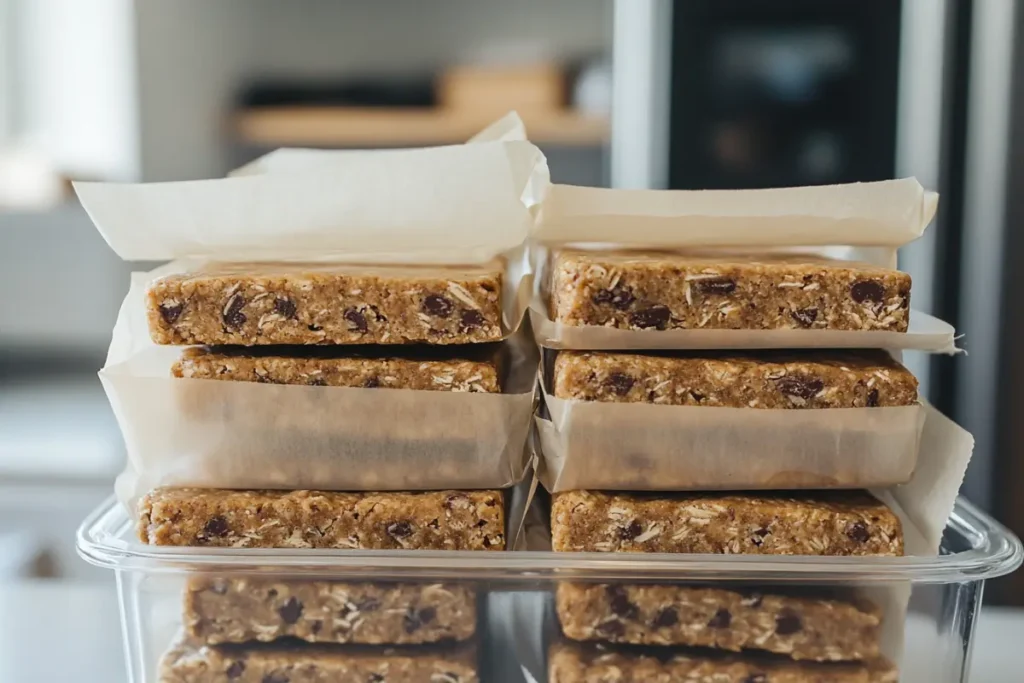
{"points": [[639, 291], [431, 520], [804, 628], [320, 367], [820, 523], [811, 379], [255, 304], [571, 663], [236, 609], [290, 663]]}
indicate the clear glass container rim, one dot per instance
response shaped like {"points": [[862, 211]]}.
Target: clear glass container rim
{"points": [[103, 540]]}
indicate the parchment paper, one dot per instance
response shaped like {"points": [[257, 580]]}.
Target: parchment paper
{"points": [[459, 204], [890, 213]]}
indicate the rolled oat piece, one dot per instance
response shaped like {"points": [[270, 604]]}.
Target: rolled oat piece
{"points": [[824, 628], [258, 304], [429, 520], [573, 663], [241, 609], [765, 379], [817, 523], [665, 291], [474, 369], [188, 662]]}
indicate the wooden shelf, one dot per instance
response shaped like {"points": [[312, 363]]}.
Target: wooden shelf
{"points": [[373, 127]]}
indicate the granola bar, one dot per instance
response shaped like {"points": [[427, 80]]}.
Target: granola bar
{"points": [[802, 627], [425, 371], [811, 379], [429, 520], [236, 609], [819, 523], [256, 304], [284, 663], [571, 663], [662, 291]]}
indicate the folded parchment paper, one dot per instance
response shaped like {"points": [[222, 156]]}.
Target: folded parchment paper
{"points": [[459, 204], [868, 222]]}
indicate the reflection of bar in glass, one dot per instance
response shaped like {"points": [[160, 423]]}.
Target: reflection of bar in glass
{"points": [[303, 663], [763, 379], [800, 626], [474, 368], [426, 520], [664, 291], [573, 663], [239, 609], [256, 304], [818, 523]]}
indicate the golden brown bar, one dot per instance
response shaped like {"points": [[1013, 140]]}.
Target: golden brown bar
{"points": [[801, 627], [572, 663], [820, 523], [286, 663], [476, 372], [430, 520], [258, 304], [665, 291], [766, 379], [236, 610]]}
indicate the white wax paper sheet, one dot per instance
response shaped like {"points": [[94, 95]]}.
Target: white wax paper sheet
{"points": [[460, 204], [881, 214]]}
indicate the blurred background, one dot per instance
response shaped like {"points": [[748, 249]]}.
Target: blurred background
{"points": [[627, 93]]}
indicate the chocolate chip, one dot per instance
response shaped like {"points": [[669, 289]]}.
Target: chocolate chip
{"points": [[356, 320], [471, 320], [756, 678], [805, 316], [873, 398], [291, 610], [233, 316], [715, 285], [620, 383], [316, 627], [399, 529], [318, 382], [413, 619], [722, 619], [371, 383], [867, 290], [696, 396], [858, 531], [285, 307], [236, 669], [619, 603], [666, 618], [170, 312], [314, 328], [434, 524], [611, 629], [619, 297], [787, 623], [272, 593], [628, 533], [375, 678], [216, 526], [438, 306], [758, 537], [802, 387], [656, 316], [275, 677]]}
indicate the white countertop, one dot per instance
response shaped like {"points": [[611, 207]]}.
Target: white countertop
{"points": [[55, 631]]}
